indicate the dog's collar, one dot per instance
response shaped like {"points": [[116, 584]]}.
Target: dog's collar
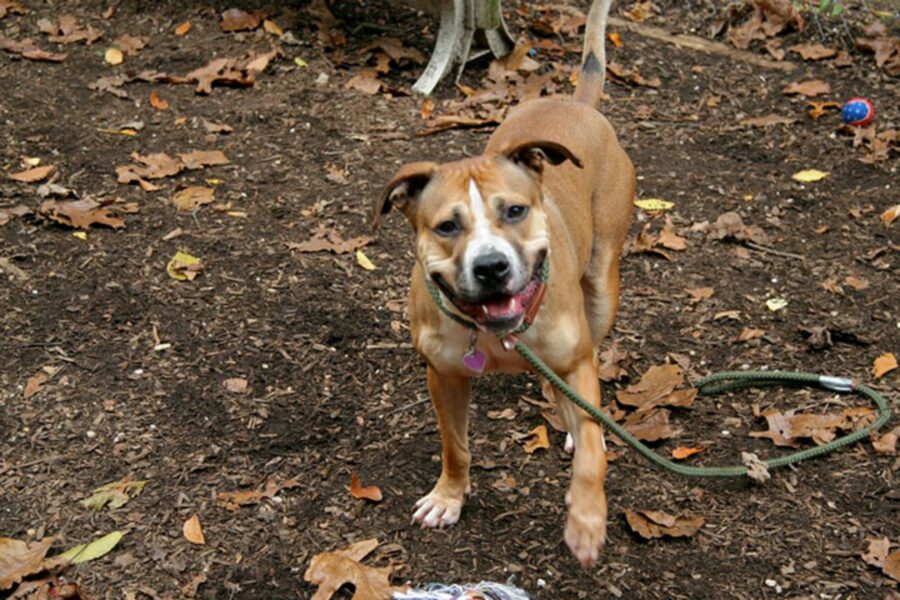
{"points": [[534, 305]]}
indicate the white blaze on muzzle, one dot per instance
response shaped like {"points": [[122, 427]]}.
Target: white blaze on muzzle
{"points": [[485, 241]]}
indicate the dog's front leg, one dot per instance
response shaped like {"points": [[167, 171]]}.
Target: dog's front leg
{"points": [[442, 506], [586, 524]]}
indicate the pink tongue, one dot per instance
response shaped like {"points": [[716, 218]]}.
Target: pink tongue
{"points": [[500, 308]]}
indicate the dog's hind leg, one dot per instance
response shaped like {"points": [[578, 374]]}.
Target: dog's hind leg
{"points": [[601, 292]]}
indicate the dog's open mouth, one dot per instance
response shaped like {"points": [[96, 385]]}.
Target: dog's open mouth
{"points": [[499, 311]]}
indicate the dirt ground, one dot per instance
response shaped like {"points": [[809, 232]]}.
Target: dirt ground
{"points": [[134, 361]]}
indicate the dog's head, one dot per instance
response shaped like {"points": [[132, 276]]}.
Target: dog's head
{"points": [[481, 231]]}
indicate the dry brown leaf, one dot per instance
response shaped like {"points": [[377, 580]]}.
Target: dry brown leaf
{"points": [[155, 166], [33, 175], [767, 121], [332, 570], [183, 28], [157, 102], [365, 81], [80, 214], [619, 74], [20, 559], [229, 71], [639, 11], [33, 385], [650, 426], [877, 551], [233, 500], [890, 215], [682, 453], [369, 492], [656, 388], [670, 239], [130, 44], [198, 159], [891, 566], [884, 364], [699, 294], [7, 7], [787, 429], [748, 333], [610, 370], [650, 524], [329, 240], [427, 108], [193, 532], [857, 283], [236, 385], [810, 89], [235, 19], [729, 225], [811, 51], [537, 439], [817, 109], [886, 443], [192, 197], [68, 30]]}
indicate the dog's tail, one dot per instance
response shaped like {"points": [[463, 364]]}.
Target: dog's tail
{"points": [[589, 88]]}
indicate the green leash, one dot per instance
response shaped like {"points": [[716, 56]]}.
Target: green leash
{"points": [[710, 385], [722, 382]]}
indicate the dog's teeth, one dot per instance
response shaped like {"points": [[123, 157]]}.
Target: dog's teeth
{"points": [[513, 305], [484, 309]]}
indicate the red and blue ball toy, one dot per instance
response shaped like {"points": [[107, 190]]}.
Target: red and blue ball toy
{"points": [[858, 112]]}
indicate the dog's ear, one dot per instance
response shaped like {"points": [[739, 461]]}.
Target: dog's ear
{"points": [[533, 154], [403, 190]]}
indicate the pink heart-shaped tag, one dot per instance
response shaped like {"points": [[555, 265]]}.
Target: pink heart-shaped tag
{"points": [[475, 360]]}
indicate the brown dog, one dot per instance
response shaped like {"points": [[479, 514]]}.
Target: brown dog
{"points": [[552, 185]]}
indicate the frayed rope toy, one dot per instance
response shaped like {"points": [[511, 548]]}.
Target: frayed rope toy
{"points": [[485, 590]]}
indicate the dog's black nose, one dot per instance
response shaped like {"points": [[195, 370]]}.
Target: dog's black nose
{"points": [[491, 269]]}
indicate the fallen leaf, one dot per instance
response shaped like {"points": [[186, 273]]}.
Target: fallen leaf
{"points": [[21, 559], [217, 127], [192, 197], [114, 56], [370, 492], [650, 524], [507, 414], [654, 204], [33, 175], [27, 49], [427, 108], [114, 494], [183, 28], [193, 532], [817, 109], [776, 304], [857, 283], [537, 439], [884, 364], [184, 267], [233, 500], [656, 388], [699, 294], [332, 570], [788, 429], [890, 215], [33, 385], [877, 551], [639, 11], [155, 166], [681, 452], [811, 51], [365, 81], [92, 550], [886, 443], [891, 566], [273, 28], [615, 39], [363, 261], [68, 30], [809, 175], [8, 7], [729, 225], [157, 102], [610, 370], [203, 158], [80, 214], [651, 425], [810, 89], [757, 470], [329, 240], [748, 333], [236, 385], [670, 239], [767, 121], [235, 19]]}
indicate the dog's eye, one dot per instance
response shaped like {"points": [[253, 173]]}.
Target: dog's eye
{"points": [[516, 213], [447, 228]]}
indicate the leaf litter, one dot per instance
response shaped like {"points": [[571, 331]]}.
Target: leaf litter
{"points": [[231, 501], [332, 570], [651, 524]]}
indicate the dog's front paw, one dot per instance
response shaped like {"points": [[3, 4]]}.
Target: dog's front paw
{"points": [[438, 509], [586, 533]]}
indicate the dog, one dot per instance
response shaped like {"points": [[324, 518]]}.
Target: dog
{"points": [[549, 199]]}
